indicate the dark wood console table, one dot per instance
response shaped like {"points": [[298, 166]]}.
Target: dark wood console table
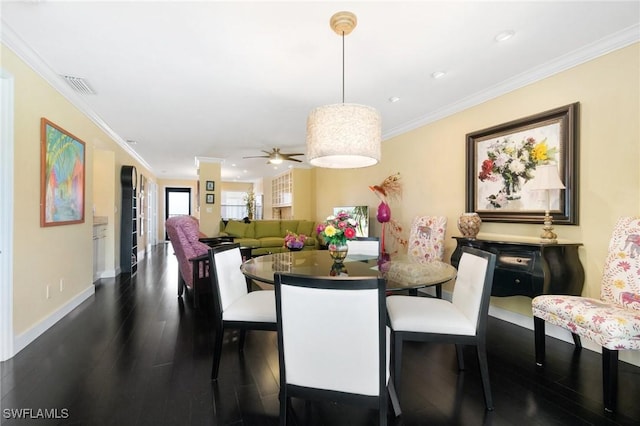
{"points": [[530, 268]]}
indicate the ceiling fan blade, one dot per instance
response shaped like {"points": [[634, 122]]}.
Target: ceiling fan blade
{"points": [[291, 155], [258, 156], [294, 159]]}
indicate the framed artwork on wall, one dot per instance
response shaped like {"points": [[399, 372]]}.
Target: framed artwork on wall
{"points": [[501, 166], [62, 176], [211, 198], [211, 185], [360, 214]]}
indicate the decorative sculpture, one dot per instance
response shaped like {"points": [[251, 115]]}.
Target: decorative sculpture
{"points": [[390, 189]]}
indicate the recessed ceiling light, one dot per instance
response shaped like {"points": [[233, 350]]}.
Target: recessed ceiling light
{"points": [[438, 74], [505, 35], [394, 99], [275, 167]]}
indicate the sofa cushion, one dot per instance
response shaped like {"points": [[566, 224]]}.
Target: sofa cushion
{"points": [[305, 227], [271, 241], [247, 242], [288, 225], [250, 230], [311, 241], [235, 229], [267, 228]]}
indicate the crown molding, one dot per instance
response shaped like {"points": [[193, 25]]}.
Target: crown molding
{"points": [[13, 41], [616, 41]]}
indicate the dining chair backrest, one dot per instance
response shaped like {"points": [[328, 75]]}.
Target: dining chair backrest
{"points": [[332, 333], [229, 282], [365, 246], [621, 274], [426, 238], [472, 291]]}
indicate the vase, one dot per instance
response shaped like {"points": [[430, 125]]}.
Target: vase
{"points": [[512, 187], [469, 225], [338, 252], [294, 248]]}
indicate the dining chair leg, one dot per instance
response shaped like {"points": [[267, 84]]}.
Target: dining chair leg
{"points": [[576, 341], [397, 360], [382, 409], [610, 379], [393, 396], [539, 337], [484, 374], [243, 335], [284, 405], [460, 356], [217, 353]]}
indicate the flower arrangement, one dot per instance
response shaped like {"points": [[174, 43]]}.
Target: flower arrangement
{"points": [[293, 241], [513, 162], [336, 230]]}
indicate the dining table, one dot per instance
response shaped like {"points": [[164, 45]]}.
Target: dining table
{"points": [[400, 271]]}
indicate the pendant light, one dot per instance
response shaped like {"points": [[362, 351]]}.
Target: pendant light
{"points": [[343, 136]]}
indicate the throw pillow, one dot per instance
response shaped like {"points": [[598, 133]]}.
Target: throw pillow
{"points": [[235, 229]]}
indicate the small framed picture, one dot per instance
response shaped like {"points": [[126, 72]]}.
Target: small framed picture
{"points": [[211, 186], [211, 198]]}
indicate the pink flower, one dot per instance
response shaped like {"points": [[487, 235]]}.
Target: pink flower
{"points": [[349, 233]]}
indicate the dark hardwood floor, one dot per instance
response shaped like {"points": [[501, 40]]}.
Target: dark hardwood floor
{"points": [[135, 354]]}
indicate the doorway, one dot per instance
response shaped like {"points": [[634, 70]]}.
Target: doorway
{"points": [[177, 202]]}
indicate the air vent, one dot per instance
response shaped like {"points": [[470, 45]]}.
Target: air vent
{"points": [[79, 85]]}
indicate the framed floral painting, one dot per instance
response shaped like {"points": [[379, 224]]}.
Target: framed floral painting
{"points": [[501, 168]]}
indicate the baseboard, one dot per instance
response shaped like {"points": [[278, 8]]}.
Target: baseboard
{"points": [[24, 339], [109, 273]]}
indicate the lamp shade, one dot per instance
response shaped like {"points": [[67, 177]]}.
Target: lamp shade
{"points": [[343, 136], [546, 177]]}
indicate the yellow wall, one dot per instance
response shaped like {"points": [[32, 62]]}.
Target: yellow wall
{"points": [[431, 161], [210, 213], [45, 256]]}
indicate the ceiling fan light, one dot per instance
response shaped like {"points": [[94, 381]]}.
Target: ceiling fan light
{"points": [[275, 161], [341, 136]]}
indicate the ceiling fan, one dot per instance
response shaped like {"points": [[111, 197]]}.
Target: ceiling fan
{"points": [[277, 157]]}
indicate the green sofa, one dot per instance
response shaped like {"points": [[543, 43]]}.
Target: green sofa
{"points": [[267, 236]]}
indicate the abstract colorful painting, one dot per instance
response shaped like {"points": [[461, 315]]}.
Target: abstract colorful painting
{"points": [[62, 176]]}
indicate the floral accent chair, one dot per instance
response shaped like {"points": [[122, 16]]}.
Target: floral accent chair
{"points": [[613, 321], [192, 254], [426, 241]]}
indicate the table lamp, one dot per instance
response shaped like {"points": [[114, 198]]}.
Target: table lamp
{"points": [[546, 178]]}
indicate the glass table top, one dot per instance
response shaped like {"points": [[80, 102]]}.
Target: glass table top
{"points": [[400, 272]]}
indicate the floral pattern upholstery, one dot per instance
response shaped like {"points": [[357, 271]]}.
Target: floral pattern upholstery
{"points": [[613, 321], [184, 235], [426, 239]]}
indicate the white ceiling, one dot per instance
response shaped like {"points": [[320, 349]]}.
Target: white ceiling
{"points": [[229, 79]]}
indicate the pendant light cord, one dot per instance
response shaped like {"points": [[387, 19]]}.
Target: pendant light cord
{"points": [[343, 67]]}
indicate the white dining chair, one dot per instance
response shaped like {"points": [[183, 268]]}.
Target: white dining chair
{"points": [[333, 342], [462, 321], [234, 306]]}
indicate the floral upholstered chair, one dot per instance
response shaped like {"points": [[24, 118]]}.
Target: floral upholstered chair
{"points": [[613, 321], [426, 241], [192, 254]]}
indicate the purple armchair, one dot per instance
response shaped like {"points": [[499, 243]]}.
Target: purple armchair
{"points": [[192, 254]]}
